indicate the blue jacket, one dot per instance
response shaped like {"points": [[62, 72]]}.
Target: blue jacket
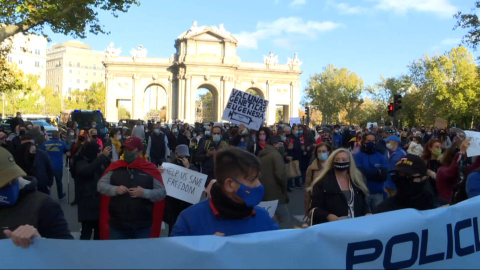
{"points": [[55, 149], [338, 140], [473, 184], [43, 171], [199, 219], [392, 160], [375, 169]]}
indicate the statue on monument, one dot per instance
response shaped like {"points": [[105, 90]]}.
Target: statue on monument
{"points": [[294, 62], [112, 52], [139, 53], [270, 61]]}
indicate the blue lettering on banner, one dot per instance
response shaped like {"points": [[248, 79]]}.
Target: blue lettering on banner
{"points": [[447, 237]]}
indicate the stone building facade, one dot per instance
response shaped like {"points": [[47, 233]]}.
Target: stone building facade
{"points": [[205, 58]]}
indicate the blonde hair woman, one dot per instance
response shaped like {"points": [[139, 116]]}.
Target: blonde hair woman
{"points": [[339, 191]]}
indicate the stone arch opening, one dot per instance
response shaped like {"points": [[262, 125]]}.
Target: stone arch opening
{"points": [[206, 101], [155, 102], [255, 91]]}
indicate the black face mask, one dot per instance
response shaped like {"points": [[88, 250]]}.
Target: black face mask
{"points": [[94, 136], [407, 188], [82, 139], [341, 166], [369, 148], [22, 132]]}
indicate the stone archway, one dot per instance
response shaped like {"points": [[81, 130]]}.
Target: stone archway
{"points": [[255, 91], [206, 103], [155, 102]]}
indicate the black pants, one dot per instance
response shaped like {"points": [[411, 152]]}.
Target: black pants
{"points": [[87, 228]]}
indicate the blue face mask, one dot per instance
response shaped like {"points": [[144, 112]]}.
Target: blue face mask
{"points": [[94, 126], [216, 138], [9, 194], [251, 196], [157, 131], [323, 156], [207, 133]]}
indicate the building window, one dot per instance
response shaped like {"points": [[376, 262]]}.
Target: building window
{"points": [[94, 66], [69, 90], [70, 71], [58, 80], [86, 66], [9, 59], [20, 61], [37, 64], [69, 63], [37, 52], [57, 89], [78, 64]]}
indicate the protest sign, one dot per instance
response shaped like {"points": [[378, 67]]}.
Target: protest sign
{"points": [[245, 108], [442, 238], [270, 206], [182, 183], [295, 120], [474, 149], [375, 124], [440, 123]]}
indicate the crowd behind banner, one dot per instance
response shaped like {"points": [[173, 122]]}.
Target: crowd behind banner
{"points": [[345, 172]]}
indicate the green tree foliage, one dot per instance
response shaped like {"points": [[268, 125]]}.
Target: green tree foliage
{"points": [[335, 90], [91, 99], [69, 17], [472, 23], [123, 113]]}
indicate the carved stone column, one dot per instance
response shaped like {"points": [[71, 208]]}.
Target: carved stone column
{"points": [[137, 97], [110, 106]]}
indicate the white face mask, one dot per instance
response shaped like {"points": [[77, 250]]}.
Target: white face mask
{"points": [[119, 137], [389, 146]]}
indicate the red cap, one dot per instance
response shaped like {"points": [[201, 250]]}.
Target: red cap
{"points": [[133, 142], [83, 133]]}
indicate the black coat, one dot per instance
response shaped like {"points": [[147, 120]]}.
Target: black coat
{"points": [[87, 175], [328, 198]]}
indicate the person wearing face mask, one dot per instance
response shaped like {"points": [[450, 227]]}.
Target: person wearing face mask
{"points": [[374, 168], [90, 166], [231, 209], [174, 206], [172, 137], [294, 153], [339, 191], [337, 137], [321, 153], [431, 154], [157, 146], [115, 143], [26, 213], [206, 152], [133, 202], [76, 149], [93, 132], [274, 179], [412, 187], [446, 142], [55, 149], [392, 156], [139, 130], [415, 147]]}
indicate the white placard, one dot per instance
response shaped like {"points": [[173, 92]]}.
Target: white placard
{"points": [[295, 120], [182, 183], [247, 109], [270, 206], [375, 124], [474, 149]]}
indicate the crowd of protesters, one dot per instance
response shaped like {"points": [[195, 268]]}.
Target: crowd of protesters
{"points": [[345, 172]]}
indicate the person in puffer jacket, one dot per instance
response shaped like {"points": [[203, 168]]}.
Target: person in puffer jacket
{"points": [[415, 147]]}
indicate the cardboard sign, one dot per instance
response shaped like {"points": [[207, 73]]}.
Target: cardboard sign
{"points": [[295, 120], [270, 206], [440, 123], [182, 183], [247, 109], [474, 148]]}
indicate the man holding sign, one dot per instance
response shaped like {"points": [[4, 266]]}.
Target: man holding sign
{"points": [[232, 209]]}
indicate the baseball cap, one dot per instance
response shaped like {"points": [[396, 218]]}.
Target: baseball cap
{"points": [[182, 150], [411, 164], [393, 138], [83, 133], [133, 142], [9, 170]]}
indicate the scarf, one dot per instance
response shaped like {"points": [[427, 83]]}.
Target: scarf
{"points": [[117, 144], [226, 207]]}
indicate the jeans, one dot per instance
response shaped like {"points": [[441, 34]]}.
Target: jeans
{"points": [[373, 200], [58, 181], [130, 233], [282, 216], [87, 228]]}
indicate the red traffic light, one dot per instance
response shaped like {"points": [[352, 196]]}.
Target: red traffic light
{"points": [[390, 108]]}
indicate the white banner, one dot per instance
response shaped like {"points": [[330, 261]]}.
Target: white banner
{"points": [[244, 108], [182, 183], [474, 149], [270, 206], [295, 120]]}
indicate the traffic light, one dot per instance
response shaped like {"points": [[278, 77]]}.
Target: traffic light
{"points": [[307, 111], [390, 109], [397, 100]]}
